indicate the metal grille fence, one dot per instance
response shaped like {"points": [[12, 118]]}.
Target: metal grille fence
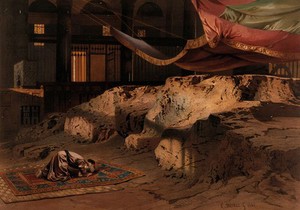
{"points": [[30, 115]]}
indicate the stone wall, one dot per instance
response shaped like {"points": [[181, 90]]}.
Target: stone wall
{"points": [[11, 101]]}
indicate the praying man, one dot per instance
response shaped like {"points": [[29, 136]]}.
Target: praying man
{"points": [[66, 165]]}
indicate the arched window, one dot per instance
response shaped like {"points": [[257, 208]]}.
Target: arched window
{"points": [[149, 9], [97, 7], [43, 6]]}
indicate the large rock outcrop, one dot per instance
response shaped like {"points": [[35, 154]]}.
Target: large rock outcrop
{"points": [[220, 127], [31, 142], [184, 100], [51, 125], [236, 136], [121, 109], [188, 121]]}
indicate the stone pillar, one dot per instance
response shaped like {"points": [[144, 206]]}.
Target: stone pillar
{"points": [[192, 27], [13, 38], [64, 37], [169, 18], [21, 31], [126, 27], [190, 16]]}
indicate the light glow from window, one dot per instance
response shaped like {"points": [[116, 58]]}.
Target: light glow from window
{"points": [[106, 31], [39, 28], [39, 44], [141, 33]]}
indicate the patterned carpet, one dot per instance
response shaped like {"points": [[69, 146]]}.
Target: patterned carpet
{"points": [[20, 184]]}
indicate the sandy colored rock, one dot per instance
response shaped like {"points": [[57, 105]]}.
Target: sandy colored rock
{"points": [[204, 142], [121, 109], [184, 100], [51, 125]]}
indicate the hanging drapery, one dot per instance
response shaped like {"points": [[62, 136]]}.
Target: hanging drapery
{"points": [[236, 33]]}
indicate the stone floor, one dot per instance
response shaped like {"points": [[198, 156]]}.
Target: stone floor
{"points": [[134, 196], [158, 189]]}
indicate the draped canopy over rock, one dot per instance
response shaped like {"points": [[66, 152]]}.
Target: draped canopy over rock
{"points": [[236, 33]]}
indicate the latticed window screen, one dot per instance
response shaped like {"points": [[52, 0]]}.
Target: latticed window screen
{"points": [[88, 61], [78, 66], [39, 28], [30, 115], [291, 69]]}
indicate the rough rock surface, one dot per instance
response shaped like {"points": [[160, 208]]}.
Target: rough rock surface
{"points": [[223, 141], [51, 125], [31, 142], [121, 109], [184, 100], [220, 148]]}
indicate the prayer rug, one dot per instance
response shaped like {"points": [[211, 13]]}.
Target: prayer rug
{"points": [[20, 184]]}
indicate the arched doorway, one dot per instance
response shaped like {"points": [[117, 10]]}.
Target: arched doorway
{"points": [[95, 62]]}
